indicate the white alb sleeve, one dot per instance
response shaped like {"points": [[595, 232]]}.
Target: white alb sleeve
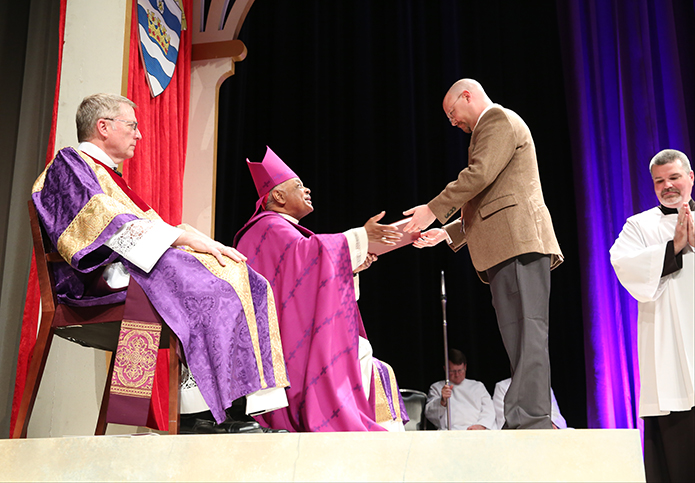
{"points": [[637, 264], [358, 243]]}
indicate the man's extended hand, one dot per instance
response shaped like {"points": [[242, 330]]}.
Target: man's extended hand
{"points": [[430, 238], [422, 218], [385, 234], [204, 244], [685, 230]]}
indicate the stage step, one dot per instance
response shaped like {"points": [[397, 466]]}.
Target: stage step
{"points": [[541, 455]]}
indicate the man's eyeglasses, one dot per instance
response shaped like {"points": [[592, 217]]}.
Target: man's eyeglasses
{"points": [[451, 111], [457, 371], [131, 124]]}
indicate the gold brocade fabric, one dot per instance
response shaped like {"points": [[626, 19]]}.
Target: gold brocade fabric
{"points": [[275, 341], [84, 229], [97, 213], [383, 408], [136, 359], [38, 184], [395, 395], [383, 411]]}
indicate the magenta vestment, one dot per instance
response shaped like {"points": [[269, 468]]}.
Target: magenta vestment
{"points": [[320, 322]]}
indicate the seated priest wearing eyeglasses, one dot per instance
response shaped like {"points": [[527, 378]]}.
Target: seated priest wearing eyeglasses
{"points": [[470, 404], [116, 246], [336, 384]]}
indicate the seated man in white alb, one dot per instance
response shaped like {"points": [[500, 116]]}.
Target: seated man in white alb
{"points": [[498, 400], [471, 405]]}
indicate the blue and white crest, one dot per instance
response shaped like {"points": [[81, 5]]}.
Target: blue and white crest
{"points": [[159, 30]]}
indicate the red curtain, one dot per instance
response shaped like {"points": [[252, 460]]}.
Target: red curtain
{"points": [[155, 173]]}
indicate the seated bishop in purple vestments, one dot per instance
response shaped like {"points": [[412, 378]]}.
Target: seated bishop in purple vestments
{"points": [[336, 384], [222, 311]]}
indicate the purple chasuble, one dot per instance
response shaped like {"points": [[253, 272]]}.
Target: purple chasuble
{"points": [[224, 316], [320, 322]]}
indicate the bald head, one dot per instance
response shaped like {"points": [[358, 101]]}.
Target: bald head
{"points": [[470, 85], [464, 103]]}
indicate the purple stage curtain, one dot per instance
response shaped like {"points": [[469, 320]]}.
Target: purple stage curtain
{"points": [[628, 73]]}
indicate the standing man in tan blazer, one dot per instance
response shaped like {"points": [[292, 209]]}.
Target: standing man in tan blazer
{"points": [[510, 238]]}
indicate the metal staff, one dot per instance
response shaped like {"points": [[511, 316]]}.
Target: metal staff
{"points": [[446, 353]]}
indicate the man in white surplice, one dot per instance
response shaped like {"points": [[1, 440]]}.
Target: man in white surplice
{"points": [[654, 260], [471, 404]]}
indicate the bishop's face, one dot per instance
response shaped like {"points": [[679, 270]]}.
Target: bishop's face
{"points": [[672, 184], [297, 198]]}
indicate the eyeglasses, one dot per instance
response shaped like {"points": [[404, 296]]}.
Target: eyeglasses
{"points": [[451, 111], [457, 371], [131, 124]]}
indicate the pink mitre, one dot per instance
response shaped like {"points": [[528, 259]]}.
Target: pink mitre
{"points": [[268, 174]]}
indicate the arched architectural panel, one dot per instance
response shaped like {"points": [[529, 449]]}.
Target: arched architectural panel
{"points": [[215, 50]]}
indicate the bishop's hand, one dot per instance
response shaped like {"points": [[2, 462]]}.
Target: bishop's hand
{"points": [[378, 233]]}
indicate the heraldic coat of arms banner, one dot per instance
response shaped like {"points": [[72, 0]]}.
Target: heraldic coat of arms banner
{"points": [[160, 31]]}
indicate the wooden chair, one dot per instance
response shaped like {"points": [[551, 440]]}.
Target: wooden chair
{"points": [[96, 327]]}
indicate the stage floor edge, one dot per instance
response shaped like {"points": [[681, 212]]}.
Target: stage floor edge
{"points": [[540, 455]]}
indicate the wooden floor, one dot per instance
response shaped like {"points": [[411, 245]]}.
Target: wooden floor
{"points": [[542, 455]]}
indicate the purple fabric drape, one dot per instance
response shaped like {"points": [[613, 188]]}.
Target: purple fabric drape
{"points": [[628, 71]]}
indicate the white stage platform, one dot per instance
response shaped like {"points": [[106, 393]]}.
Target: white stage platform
{"points": [[542, 455]]}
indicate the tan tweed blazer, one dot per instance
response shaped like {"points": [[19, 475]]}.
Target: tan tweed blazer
{"points": [[503, 213]]}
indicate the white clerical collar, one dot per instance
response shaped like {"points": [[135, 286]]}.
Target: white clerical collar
{"points": [[289, 218], [483, 113], [97, 153]]}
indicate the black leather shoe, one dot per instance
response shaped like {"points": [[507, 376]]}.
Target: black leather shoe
{"points": [[233, 426], [200, 426]]}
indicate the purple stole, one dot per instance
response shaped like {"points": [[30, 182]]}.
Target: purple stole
{"points": [[135, 361], [311, 276]]}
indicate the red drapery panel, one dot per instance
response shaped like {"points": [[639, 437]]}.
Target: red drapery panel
{"points": [[155, 173]]}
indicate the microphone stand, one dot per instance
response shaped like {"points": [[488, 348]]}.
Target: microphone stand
{"points": [[446, 352]]}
